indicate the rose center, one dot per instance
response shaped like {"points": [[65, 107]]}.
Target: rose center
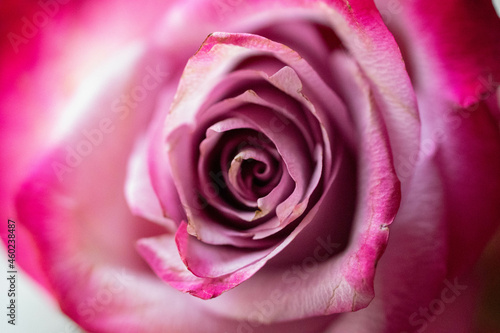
{"points": [[253, 174], [243, 165]]}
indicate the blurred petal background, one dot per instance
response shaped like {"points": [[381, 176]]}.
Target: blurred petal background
{"points": [[71, 42]]}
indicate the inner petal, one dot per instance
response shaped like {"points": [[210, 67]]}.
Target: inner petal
{"points": [[252, 174]]}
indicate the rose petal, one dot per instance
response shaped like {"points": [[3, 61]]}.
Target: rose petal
{"points": [[379, 57], [161, 254], [454, 47], [343, 282], [455, 85], [175, 120], [139, 191]]}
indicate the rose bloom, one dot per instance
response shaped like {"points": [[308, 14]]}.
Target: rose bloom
{"points": [[253, 166]]}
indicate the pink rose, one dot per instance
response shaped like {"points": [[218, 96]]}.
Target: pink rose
{"points": [[307, 167]]}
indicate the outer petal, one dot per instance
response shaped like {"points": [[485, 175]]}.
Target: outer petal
{"points": [[39, 74], [421, 244], [140, 193], [457, 167], [412, 269], [450, 44], [453, 58]]}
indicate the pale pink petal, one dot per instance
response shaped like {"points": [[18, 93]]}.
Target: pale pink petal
{"points": [[139, 191], [39, 76], [162, 255], [380, 60]]}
